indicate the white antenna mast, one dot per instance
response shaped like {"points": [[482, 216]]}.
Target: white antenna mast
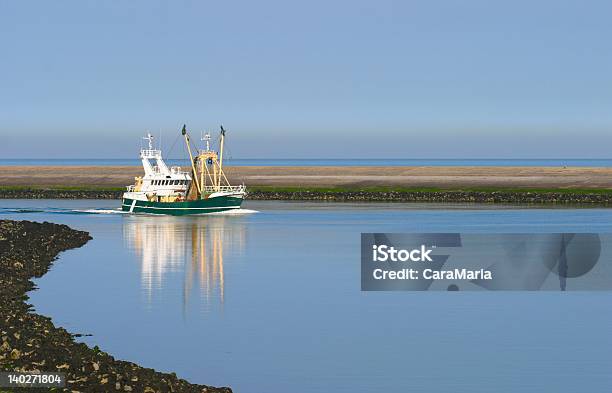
{"points": [[206, 138], [149, 138]]}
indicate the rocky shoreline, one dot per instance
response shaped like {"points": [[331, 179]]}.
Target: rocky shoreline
{"points": [[31, 342], [438, 196], [50, 193], [508, 197]]}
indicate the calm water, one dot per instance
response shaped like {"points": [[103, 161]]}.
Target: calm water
{"points": [[271, 302], [332, 162]]}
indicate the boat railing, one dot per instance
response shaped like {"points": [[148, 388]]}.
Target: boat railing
{"points": [[146, 153], [130, 188], [210, 189]]}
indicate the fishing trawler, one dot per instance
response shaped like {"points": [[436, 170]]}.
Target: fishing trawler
{"points": [[164, 190]]}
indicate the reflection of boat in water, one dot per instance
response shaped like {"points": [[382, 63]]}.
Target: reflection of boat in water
{"points": [[194, 246], [164, 190]]}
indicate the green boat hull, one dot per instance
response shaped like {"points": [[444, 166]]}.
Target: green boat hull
{"points": [[200, 206]]}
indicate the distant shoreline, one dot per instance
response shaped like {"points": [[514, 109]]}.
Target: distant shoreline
{"points": [[322, 162], [355, 177], [329, 183]]}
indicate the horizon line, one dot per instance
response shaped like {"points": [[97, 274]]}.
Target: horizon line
{"points": [[325, 158]]}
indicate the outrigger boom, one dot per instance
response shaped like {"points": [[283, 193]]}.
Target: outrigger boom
{"points": [[172, 191]]}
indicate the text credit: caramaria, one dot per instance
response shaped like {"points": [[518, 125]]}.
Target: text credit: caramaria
{"points": [[430, 274]]}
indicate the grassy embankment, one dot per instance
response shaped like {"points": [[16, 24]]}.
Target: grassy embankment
{"points": [[60, 188], [494, 195], [383, 189]]}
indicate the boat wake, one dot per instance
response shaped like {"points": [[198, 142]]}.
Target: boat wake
{"points": [[19, 210], [233, 212], [100, 211], [55, 210]]}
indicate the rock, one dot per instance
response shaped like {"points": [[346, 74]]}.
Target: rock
{"points": [[458, 196], [31, 342]]}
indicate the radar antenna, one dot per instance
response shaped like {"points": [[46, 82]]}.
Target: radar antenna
{"points": [[206, 138], [149, 138]]}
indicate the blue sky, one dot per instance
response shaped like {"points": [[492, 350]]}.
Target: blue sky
{"points": [[406, 79]]}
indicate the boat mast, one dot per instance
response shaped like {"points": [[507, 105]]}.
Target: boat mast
{"points": [[146, 154], [208, 155], [195, 173], [221, 157]]}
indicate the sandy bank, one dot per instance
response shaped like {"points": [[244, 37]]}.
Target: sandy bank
{"points": [[442, 177]]}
